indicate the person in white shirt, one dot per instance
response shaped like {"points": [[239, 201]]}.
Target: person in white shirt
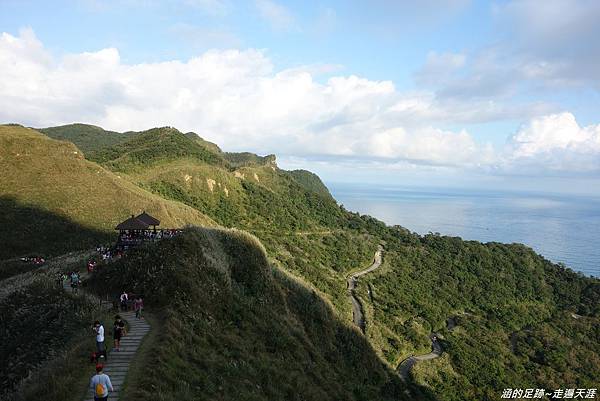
{"points": [[99, 330], [124, 299]]}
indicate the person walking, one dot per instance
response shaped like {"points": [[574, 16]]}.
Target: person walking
{"points": [[99, 330], [124, 299], [100, 384], [118, 332], [138, 305], [74, 281]]}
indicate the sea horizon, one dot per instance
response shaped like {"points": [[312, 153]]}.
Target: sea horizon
{"points": [[564, 228]]}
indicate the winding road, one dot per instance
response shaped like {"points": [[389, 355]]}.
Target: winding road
{"points": [[407, 364], [358, 315]]}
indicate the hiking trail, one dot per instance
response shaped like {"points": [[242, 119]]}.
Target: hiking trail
{"points": [[117, 364]]}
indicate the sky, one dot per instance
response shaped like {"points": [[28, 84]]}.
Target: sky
{"points": [[456, 93]]}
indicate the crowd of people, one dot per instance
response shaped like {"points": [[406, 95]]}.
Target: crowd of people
{"points": [[106, 253], [132, 238], [36, 260]]}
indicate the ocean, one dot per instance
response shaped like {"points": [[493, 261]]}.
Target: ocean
{"points": [[561, 228]]}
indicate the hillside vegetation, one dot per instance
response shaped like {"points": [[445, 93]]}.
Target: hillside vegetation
{"points": [[54, 200], [512, 309], [520, 320], [45, 333], [237, 329], [86, 137]]}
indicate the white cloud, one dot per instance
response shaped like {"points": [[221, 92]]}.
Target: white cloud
{"points": [[278, 16], [556, 142], [239, 100]]}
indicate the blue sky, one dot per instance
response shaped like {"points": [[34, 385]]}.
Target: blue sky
{"points": [[457, 92]]}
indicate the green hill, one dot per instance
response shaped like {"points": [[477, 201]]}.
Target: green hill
{"points": [[154, 146], [310, 182], [236, 328], [54, 200], [86, 137], [425, 281], [253, 194], [212, 147]]}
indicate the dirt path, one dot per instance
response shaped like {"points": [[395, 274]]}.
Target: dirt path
{"points": [[407, 364], [358, 315]]}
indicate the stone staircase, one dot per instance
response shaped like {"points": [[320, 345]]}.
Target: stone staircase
{"points": [[117, 365]]}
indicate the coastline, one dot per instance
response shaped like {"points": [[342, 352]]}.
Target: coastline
{"points": [[561, 228]]}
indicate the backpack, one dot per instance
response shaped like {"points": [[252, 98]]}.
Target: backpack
{"points": [[99, 390]]}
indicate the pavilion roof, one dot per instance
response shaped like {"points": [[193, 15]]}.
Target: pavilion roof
{"points": [[146, 218], [132, 223]]}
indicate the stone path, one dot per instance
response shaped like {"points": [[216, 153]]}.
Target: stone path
{"points": [[117, 365]]}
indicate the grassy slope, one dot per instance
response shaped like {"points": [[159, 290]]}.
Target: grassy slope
{"points": [[86, 137], [152, 146], [311, 182], [46, 183], [251, 193], [236, 328], [46, 337]]}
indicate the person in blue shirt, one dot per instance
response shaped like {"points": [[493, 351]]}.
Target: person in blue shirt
{"points": [[100, 384]]}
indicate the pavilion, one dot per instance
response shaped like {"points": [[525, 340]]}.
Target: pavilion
{"points": [[146, 218], [132, 224], [136, 230]]}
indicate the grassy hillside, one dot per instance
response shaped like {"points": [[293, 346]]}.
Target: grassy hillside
{"points": [[86, 137], [211, 147], [291, 212], [45, 334], [310, 182], [237, 329], [151, 147], [521, 320], [53, 200]]}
